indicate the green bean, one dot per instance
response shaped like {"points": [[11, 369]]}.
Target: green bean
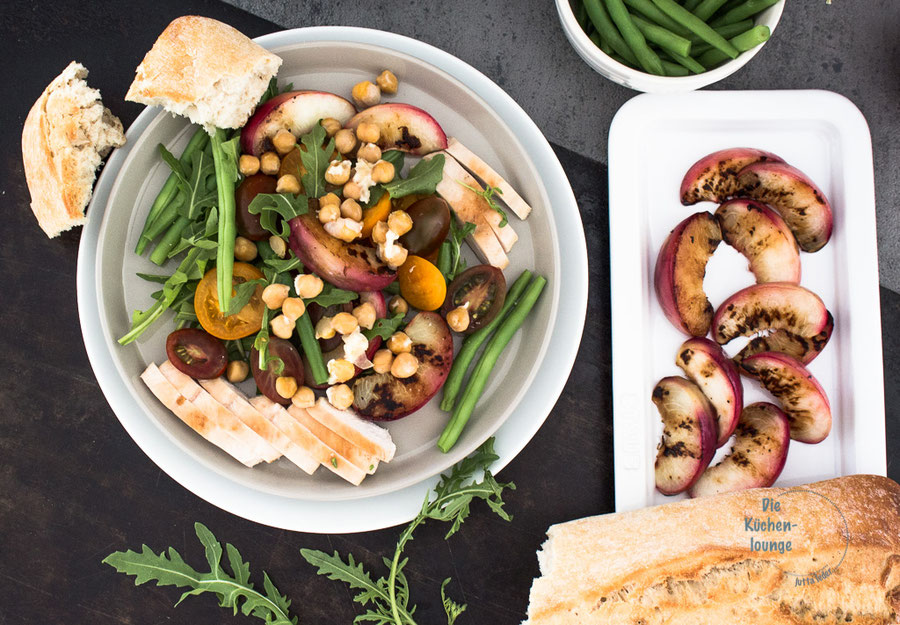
{"points": [[478, 380], [311, 349], [706, 8], [168, 192], [470, 346], [647, 58], [674, 69], [225, 249], [743, 42], [649, 10], [608, 31], [161, 223], [743, 11], [695, 24], [665, 39], [688, 62], [728, 31], [169, 240], [690, 5], [581, 15]]}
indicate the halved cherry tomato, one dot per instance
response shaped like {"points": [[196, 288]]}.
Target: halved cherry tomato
{"points": [[374, 214], [421, 284], [430, 225], [293, 367], [251, 186], [245, 322], [482, 290], [292, 164], [196, 353]]}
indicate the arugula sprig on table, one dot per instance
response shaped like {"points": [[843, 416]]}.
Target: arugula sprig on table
{"points": [[387, 599]]}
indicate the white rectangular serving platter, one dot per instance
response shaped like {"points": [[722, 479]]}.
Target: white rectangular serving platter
{"points": [[653, 141]]}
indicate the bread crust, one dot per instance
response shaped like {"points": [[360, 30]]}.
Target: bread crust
{"points": [[690, 562], [206, 70], [66, 133]]}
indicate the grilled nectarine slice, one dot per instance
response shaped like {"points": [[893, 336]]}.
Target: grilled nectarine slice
{"points": [[760, 234], [714, 177], [771, 306], [403, 127], [803, 349], [707, 366]]}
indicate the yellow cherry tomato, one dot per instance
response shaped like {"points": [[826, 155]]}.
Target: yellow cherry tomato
{"points": [[421, 284], [247, 321], [374, 214]]}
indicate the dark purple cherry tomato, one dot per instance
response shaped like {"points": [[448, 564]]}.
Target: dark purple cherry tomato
{"points": [[247, 224], [431, 223], [484, 288], [316, 312], [197, 353], [293, 367]]}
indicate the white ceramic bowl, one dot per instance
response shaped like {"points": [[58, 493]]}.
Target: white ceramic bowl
{"points": [[525, 384], [641, 81]]}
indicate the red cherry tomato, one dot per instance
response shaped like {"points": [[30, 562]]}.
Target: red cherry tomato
{"points": [[293, 367], [247, 223], [481, 290], [196, 353]]}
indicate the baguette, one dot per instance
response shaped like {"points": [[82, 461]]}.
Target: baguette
{"points": [[205, 70], [67, 133], [691, 562]]}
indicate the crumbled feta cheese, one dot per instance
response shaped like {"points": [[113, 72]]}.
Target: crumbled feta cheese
{"points": [[390, 241], [332, 378], [338, 168], [363, 177], [355, 346], [344, 228]]}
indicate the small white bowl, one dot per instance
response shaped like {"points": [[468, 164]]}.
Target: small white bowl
{"points": [[642, 81]]}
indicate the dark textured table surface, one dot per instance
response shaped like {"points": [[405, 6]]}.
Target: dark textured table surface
{"points": [[73, 485]]}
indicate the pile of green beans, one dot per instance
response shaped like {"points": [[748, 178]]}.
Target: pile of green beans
{"points": [[672, 37]]}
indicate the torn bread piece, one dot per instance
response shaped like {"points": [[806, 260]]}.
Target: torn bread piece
{"points": [[341, 445], [369, 437], [331, 458], [233, 399], [485, 172], [205, 70], [194, 418], [67, 133], [224, 418], [298, 434], [469, 207]]}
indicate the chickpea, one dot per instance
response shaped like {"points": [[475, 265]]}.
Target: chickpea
{"points": [[368, 133], [351, 209], [398, 305], [382, 360], [248, 164], [282, 327], [383, 172], [379, 232], [404, 365], [369, 152], [395, 257], [269, 163], [304, 397], [293, 308], [308, 285], [345, 141], [331, 126], [244, 249], [288, 183], [458, 319], [329, 213], [387, 82], [338, 172], [237, 371], [344, 323], [352, 190], [324, 329], [340, 396], [340, 370], [345, 229], [366, 94], [286, 386], [399, 343], [365, 315], [399, 222], [284, 141], [273, 296], [278, 246], [329, 198]]}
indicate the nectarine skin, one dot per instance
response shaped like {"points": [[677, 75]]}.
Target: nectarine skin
{"points": [[770, 306], [403, 127], [713, 178], [709, 367]]}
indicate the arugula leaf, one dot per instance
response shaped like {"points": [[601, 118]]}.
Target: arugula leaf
{"points": [[153, 277], [315, 159], [192, 183], [396, 158], [450, 261], [231, 150], [233, 591], [488, 194], [385, 327], [422, 178], [242, 294], [332, 296], [269, 205], [387, 599]]}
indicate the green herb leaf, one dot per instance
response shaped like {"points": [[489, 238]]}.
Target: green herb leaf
{"points": [[242, 294], [423, 178], [284, 265], [385, 327], [192, 182], [315, 159], [269, 206], [397, 159], [331, 296], [153, 277], [450, 260], [452, 608], [233, 591], [261, 345], [488, 194]]}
